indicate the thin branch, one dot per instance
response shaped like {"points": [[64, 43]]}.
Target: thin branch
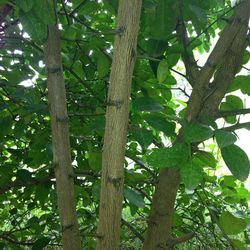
{"points": [[245, 125], [65, 11], [158, 60], [142, 164], [233, 112], [181, 239], [133, 230], [192, 70], [85, 83]]}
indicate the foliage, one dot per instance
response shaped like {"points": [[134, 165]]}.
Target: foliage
{"points": [[215, 206]]}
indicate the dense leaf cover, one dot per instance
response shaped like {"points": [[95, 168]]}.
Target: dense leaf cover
{"points": [[211, 204]]}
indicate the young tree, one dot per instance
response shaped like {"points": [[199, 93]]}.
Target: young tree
{"points": [[60, 140], [128, 17]]}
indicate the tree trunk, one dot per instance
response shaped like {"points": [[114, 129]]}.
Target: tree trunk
{"points": [[160, 220], [225, 58], [60, 140], [108, 232]]}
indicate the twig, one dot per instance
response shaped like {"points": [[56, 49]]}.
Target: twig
{"points": [[133, 230]]}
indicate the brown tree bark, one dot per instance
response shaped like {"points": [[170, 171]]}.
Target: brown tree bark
{"points": [[60, 140], [225, 59], [108, 232]]}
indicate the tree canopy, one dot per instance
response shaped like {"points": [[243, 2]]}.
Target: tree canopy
{"points": [[183, 116]]}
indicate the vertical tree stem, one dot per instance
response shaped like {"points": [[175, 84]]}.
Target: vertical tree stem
{"points": [[60, 140], [108, 232]]}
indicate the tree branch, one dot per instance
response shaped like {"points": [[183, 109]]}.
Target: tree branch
{"points": [[192, 70], [133, 230], [181, 239], [236, 126], [233, 112]]}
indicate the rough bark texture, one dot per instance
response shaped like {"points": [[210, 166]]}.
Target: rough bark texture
{"points": [[206, 96], [60, 140], [162, 210], [108, 232]]}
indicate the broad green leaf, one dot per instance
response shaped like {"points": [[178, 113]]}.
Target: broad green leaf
{"points": [[44, 11], [160, 123], [194, 132], [147, 104], [156, 48], [174, 156], [173, 59], [191, 175], [88, 8], [144, 137], [239, 245], [29, 21], [177, 220], [231, 224], [95, 160], [240, 82], [78, 68], [103, 65], [237, 161], [162, 71], [170, 80], [40, 243], [134, 197], [24, 175], [42, 193], [25, 5], [205, 159], [243, 193], [5, 125], [232, 102], [160, 19], [224, 138]]}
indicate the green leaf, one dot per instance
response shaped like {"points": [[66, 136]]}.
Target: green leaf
{"points": [[239, 245], [232, 102], [156, 48], [205, 159], [40, 243], [134, 197], [173, 59], [95, 160], [224, 138], [44, 11], [103, 65], [194, 132], [78, 68], [42, 193], [169, 157], [5, 125], [144, 137], [160, 123], [191, 175], [231, 224], [162, 71], [170, 80], [147, 104], [237, 161], [240, 82], [160, 19], [25, 5], [29, 21], [23, 175]]}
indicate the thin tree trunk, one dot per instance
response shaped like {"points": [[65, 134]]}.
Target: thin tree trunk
{"points": [[160, 220], [108, 232], [60, 140]]}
